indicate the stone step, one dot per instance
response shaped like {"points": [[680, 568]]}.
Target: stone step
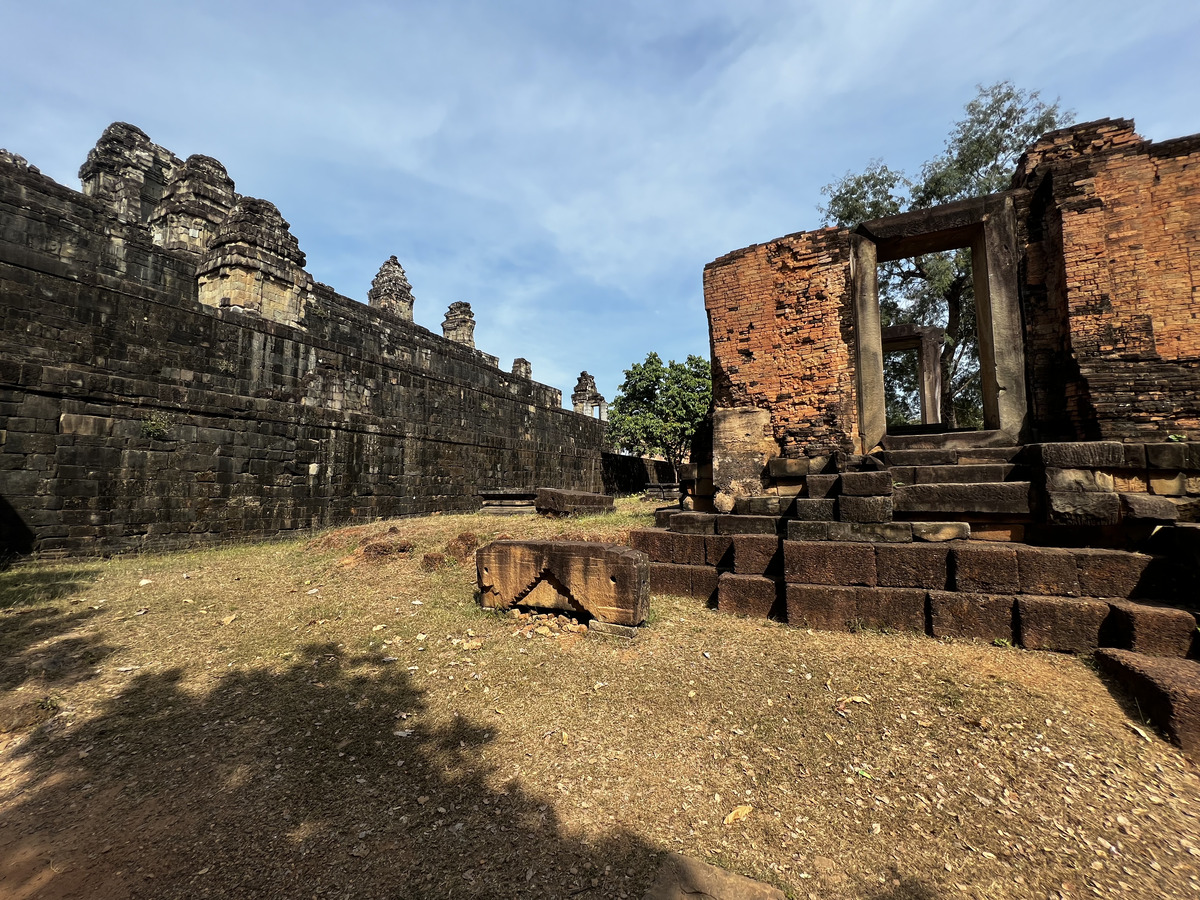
{"points": [[948, 440], [986, 498], [956, 474], [1166, 690]]}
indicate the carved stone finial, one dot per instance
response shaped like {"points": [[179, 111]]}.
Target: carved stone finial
{"points": [[586, 399], [459, 324], [522, 368], [391, 291]]}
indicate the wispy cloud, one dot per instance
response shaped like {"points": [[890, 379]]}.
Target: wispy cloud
{"points": [[566, 167]]}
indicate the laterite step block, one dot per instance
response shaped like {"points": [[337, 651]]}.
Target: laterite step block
{"points": [[1166, 690], [984, 617], [829, 562], [747, 595], [699, 582], [830, 608], [1149, 629], [1067, 624]]}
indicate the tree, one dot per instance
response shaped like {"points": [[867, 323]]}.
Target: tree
{"points": [[936, 289], [658, 408]]}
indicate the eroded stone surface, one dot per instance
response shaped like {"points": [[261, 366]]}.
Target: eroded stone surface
{"points": [[607, 581]]}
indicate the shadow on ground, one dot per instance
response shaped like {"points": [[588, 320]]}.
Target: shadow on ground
{"points": [[323, 780]]}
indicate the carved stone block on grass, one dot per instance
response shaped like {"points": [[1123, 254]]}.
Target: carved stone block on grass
{"points": [[556, 502], [606, 581]]}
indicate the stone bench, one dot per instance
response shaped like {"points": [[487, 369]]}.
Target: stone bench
{"points": [[608, 582]]}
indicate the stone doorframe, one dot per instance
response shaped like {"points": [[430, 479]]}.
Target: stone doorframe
{"points": [[987, 225]]}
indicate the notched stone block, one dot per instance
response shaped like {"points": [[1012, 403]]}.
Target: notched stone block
{"points": [[1144, 628], [608, 582]]}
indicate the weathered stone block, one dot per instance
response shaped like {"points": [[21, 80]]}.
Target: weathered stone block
{"points": [[662, 516], [1081, 508], [822, 487], [788, 468], [1166, 690], [557, 502], [1071, 480], [688, 549], [1153, 630], [864, 509], [658, 545], [1171, 455], [1048, 571], [757, 554], [718, 550], [809, 531], [984, 617], [693, 523], [1080, 454], [1060, 623], [867, 484], [609, 582], [746, 595], [940, 531], [704, 583], [985, 569], [873, 532], [913, 565], [746, 524], [829, 562], [807, 510], [831, 608], [1147, 508], [671, 578], [1009, 498], [1113, 573], [1168, 484]]}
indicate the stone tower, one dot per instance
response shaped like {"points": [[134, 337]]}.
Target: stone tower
{"points": [[587, 400], [459, 324], [391, 291]]}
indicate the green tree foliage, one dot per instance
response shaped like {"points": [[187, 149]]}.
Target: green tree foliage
{"points": [[936, 289], [658, 408]]}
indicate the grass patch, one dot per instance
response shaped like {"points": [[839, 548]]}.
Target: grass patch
{"points": [[305, 718]]}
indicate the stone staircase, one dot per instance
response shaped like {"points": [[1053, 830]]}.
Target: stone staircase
{"points": [[891, 541]]}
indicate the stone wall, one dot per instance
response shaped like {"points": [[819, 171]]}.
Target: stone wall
{"points": [[134, 415]]}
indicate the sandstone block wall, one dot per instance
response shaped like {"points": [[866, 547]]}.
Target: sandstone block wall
{"points": [[132, 415]]}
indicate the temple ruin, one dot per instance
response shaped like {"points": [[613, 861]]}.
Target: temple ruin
{"points": [[170, 373], [1067, 522]]}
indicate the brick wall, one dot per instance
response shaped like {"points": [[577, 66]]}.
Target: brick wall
{"points": [[1112, 285], [781, 329], [133, 416]]}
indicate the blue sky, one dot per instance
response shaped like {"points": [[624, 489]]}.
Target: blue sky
{"points": [[566, 167]]}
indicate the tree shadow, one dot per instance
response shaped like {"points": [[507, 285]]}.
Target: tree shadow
{"points": [[328, 778]]}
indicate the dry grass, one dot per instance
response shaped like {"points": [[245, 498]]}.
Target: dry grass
{"points": [[306, 719]]}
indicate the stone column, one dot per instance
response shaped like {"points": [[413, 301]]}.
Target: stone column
{"points": [[522, 368], [391, 291], [459, 324]]}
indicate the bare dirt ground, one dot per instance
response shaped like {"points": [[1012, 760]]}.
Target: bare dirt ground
{"points": [[335, 717]]}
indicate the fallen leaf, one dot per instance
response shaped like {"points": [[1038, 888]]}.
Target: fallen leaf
{"points": [[142, 611], [313, 591], [472, 645], [228, 619], [144, 582], [1139, 732], [379, 628], [854, 699], [738, 814]]}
